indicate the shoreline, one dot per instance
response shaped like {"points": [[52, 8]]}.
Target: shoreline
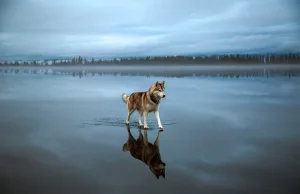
{"points": [[167, 71], [141, 66]]}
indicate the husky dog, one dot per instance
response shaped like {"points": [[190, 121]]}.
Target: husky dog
{"points": [[145, 102], [148, 153]]}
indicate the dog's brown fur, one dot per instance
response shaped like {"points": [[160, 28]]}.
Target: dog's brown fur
{"points": [[145, 102], [146, 152]]}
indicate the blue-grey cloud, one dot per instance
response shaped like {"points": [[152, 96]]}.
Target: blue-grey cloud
{"points": [[117, 27]]}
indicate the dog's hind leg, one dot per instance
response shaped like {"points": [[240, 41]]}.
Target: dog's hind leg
{"points": [[128, 129], [129, 133], [126, 147], [156, 142], [130, 111], [128, 116], [140, 118]]}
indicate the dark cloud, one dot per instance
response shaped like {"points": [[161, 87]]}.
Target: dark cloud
{"points": [[148, 27]]}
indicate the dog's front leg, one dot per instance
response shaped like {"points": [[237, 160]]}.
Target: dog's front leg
{"points": [[146, 120], [158, 119]]}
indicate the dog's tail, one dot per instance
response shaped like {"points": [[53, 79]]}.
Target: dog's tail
{"points": [[125, 98]]}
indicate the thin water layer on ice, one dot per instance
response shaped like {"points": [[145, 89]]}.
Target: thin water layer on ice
{"points": [[62, 134]]}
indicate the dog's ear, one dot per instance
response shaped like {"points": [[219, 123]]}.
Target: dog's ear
{"points": [[157, 176], [156, 84], [163, 82]]}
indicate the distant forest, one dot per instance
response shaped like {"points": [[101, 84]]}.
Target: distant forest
{"points": [[288, 58]]}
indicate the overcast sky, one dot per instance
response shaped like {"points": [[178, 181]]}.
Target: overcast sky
{"points": [[147, 27]]}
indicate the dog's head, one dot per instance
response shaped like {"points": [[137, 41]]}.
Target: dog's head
{"points": [[158, 170], [158, 89]]}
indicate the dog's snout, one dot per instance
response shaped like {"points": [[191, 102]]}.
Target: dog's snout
{"points": [[164, 95]]}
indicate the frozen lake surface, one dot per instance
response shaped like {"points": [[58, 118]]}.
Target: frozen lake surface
{"points": [[61, 134]]}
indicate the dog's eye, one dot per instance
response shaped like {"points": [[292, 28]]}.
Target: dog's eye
{"points": [[160, 90]]}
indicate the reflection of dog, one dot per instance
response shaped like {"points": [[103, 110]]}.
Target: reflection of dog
{"points": [[145, 102], [143, 150]]}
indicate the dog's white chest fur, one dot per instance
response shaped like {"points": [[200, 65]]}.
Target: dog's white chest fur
{"points": [[150, 108]]}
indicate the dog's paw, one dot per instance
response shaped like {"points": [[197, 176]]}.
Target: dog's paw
{"points": [[146, 127]]}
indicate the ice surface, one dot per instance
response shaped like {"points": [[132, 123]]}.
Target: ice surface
{"points": [[62, 134]]}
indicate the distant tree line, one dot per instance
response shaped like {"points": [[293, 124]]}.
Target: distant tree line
{"points": [[287, 58]]}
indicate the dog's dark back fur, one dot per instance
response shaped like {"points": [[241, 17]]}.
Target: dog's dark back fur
{"points": [[146, 152]]}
